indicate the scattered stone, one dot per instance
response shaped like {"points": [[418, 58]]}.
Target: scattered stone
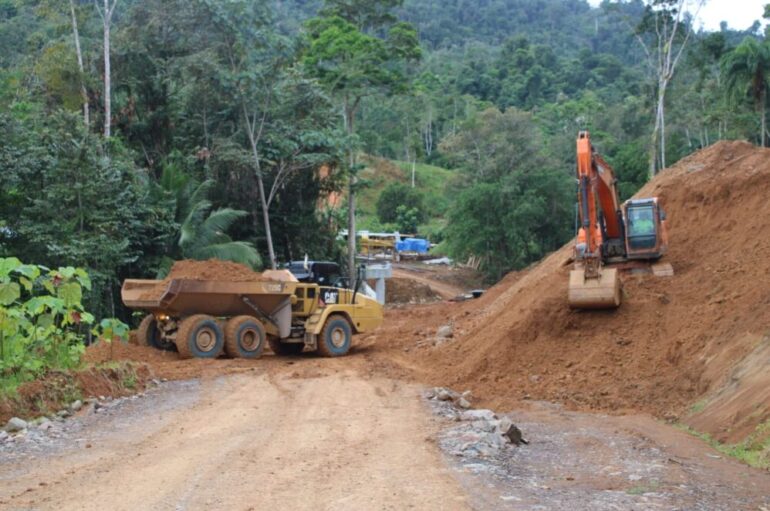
{"points": [[98, 406], [444, 395], [15, 424], [509, 430], [475, 415], [155, 381], [463, 403], [101, 398], [76, 406], [63, 414], [445, 332], [482, 425], [45, 424], [3, 435]]}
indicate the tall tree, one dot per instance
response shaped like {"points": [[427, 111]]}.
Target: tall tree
{"points": [[353, 65], [746, 71], [667, 23], [106, 12], [79, 54]]}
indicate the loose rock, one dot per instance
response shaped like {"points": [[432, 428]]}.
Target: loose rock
{"points": [[463, 403], [474, 415], [445, 332], [508, 429], [76, 406], [15, 424]]}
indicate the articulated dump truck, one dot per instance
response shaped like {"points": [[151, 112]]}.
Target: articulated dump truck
{"points": [[203, 318]]}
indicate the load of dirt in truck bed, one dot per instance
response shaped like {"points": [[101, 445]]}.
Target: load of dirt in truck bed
{"points": [[690, 347], [212, 269]]}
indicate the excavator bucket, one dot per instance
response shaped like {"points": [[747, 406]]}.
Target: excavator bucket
{"points": [[602, 292]]}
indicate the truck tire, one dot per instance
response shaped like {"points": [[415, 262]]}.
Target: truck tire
{"points": [[147, 334], [199, 336], [284, 348], [244, 337], [335, 337]]}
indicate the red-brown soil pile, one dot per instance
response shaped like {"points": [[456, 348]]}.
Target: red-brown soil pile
{"points": [[58, 389], [688, 346], [408, 291], [213, 269]]}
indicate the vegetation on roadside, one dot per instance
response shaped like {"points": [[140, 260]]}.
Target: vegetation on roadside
{"points": [[754, 450], [43, 324]]}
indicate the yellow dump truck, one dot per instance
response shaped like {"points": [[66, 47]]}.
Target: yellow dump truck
{"points": [[203, 318]]}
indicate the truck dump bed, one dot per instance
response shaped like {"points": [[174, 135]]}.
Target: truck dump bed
{"points": [[183, 297]]}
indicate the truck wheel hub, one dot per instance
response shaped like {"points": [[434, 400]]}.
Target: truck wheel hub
{"points": [[338, 337], [206, 339]]}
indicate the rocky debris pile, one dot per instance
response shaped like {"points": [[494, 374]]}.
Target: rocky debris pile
{"points": [[481, 432], [43, 431]]}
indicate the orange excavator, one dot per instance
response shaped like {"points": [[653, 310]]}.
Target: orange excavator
{"points": [[609, 232]]}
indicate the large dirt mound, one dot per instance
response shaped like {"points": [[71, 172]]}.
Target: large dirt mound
{"points": [[675, 341], [212, 269]]}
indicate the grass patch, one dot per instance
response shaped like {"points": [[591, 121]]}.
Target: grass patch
{"points": [[698, 407], [753, 451], [641, 489]]}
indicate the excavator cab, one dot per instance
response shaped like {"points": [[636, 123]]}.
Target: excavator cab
{"points": [[646, 236]]}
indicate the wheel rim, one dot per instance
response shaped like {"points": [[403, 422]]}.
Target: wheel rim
{"points": [[250, 340], [206, 339], [338, 337]]}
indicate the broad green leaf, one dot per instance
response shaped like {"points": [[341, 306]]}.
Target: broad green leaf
{"points": [[28, 270], [7, 265], [45, 320], [9, 293], [71, 293], [67, 272], [24, 281]]}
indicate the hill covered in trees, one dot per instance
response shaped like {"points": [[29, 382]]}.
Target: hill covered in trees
{"points": [[207, 139]]}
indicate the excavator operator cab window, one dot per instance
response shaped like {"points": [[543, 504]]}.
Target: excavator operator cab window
{"points": [[641, 227]]}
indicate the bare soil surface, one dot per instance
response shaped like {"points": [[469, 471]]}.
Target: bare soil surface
{"points": [[315, 437], [311, 433], [690, 347]]}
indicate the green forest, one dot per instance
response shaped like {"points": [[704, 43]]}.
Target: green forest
{"points": [[134, 133]]}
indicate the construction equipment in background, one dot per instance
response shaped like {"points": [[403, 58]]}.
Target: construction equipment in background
{"points": [[202, 318], [608, 232]]}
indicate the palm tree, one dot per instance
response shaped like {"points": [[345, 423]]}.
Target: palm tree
{"points": [[202, 232], [747, 71]]}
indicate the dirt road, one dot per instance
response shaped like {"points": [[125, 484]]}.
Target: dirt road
{"points": [[269, 439]]}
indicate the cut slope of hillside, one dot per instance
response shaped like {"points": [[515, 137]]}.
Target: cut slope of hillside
{"points": [[695, 337]]}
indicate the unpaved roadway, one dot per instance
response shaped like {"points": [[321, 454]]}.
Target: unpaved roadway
{"points": [[268, 439], [346, 434]]}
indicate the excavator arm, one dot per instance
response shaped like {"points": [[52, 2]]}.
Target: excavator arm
{"points": [[601, 228]]}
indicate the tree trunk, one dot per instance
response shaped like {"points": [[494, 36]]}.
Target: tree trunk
{"points": [[261, 190], [762, 106], [83, 90], [266, 220], [107, 84], [663, 130], [349, 118]]}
